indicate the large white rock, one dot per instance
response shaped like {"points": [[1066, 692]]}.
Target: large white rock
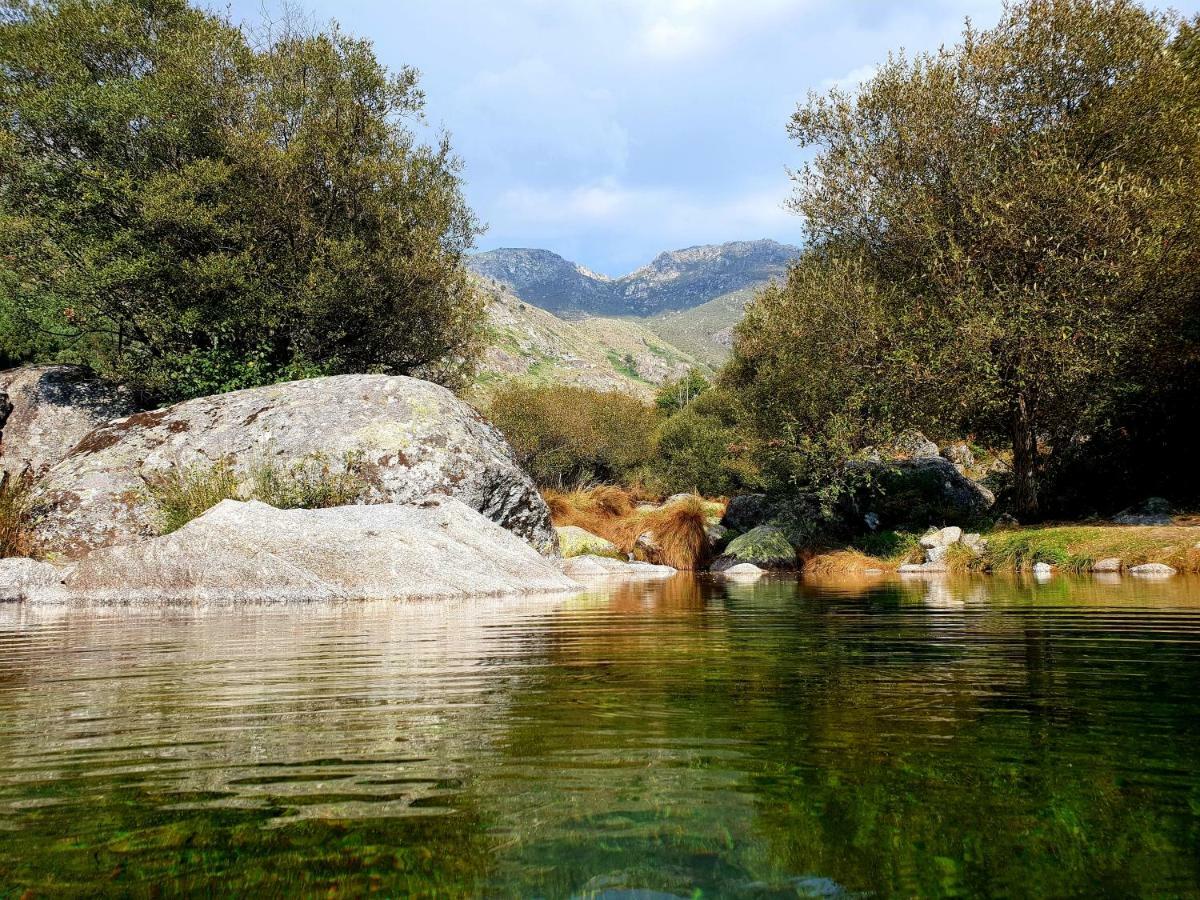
{"points": [[437, 549], [414, 438], [943, 537]]}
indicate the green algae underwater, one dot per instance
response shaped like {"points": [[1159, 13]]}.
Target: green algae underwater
{"points": [[686, 738]]}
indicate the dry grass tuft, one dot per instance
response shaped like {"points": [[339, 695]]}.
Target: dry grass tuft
{"points": [[841, 563], [16, 524], [676, 535]]}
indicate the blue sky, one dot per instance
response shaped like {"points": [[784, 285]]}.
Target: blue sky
{"points": [[609, 130]]}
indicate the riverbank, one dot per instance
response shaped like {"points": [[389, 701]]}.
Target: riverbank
{"points": [[1073, 548]]}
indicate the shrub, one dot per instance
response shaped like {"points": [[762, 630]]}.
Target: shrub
{"points": [[570, 436], [16, 536], [183, 493]]}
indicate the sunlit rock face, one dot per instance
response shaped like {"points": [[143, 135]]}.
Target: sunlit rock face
{"points": [[412, 438], [46, 410], [438, 549]]}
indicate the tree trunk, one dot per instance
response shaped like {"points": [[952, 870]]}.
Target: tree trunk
{"points": [[1025, 461]]}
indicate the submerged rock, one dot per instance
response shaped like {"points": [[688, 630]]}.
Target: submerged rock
{"points": [[46, 410], [765, 546], [248, 551], [413, 438], [604, 566], [1152, 570], [744, 570]]}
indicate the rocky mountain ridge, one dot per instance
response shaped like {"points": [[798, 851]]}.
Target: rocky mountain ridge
{"points": [[674, 280]]}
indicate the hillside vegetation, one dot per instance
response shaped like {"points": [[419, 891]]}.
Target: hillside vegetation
{"points": [[530, 345]]}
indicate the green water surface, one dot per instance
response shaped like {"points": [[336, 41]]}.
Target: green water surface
{"points": [[685, 738]]}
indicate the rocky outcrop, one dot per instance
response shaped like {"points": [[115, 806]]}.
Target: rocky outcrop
{"points": [[765, 546], [412, 438], [912, 494], [438, 548], [1152, 511], [576, 541], [46, 410], [747, 511]]}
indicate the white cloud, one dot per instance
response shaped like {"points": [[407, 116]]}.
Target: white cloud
{"points": [[852, 80], [677, 29]]}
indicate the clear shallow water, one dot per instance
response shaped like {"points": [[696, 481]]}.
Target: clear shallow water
{"points": [[772, 739]]}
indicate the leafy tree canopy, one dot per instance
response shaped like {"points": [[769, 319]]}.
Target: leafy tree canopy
{"points": [[191, 211], [1000, 231]]}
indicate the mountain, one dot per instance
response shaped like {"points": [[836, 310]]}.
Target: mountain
{"points": [[677, 280], [526, 343]]}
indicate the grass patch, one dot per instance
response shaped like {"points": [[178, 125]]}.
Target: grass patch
{"points": [[679, 530], [16, 520], [1078, 547], [183, 493]]}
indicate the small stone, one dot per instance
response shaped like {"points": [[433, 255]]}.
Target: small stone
{"points": [[925, 568], [1108, 564], [575, 541], [1043, 568], [1152, 570], [744, 570]]}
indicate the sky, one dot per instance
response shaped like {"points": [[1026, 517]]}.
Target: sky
{"points": [[611, 130]]}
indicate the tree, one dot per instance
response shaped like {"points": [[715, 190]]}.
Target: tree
{"points": [[191, 213], [678, 394], [1019, 211]]}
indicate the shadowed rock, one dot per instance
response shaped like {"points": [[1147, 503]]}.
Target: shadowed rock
{"points": [[46, 410]]}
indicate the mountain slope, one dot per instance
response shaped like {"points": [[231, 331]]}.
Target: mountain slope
{"points": [[677, 280], [532, 345], [704, 331]]}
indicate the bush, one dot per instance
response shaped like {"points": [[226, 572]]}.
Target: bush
{"points": [[570, 436], [183, 493]]}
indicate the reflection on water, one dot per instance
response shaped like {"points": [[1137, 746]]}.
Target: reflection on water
{"points": [[758, 739]]}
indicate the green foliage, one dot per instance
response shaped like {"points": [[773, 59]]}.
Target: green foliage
{"points": [[677, 395], [191, 213], [1002, 233], [700, 448], [567, 436], [183, 493]]}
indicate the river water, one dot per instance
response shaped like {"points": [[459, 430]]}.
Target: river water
{"points": [[682, 738]]}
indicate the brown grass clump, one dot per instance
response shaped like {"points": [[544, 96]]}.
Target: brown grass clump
{"points": [[841, 563], [16, 525], [677, 535]]}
